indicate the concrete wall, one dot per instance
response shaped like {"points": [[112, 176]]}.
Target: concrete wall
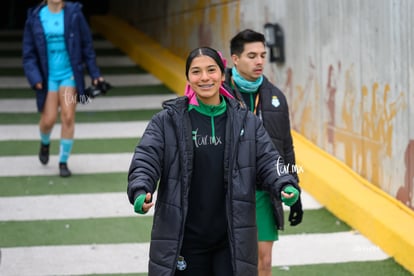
{"points": [[182, 25], [348, 71]]}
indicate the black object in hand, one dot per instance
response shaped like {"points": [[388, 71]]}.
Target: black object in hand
{"points": [[96, 90], [296, 213]]}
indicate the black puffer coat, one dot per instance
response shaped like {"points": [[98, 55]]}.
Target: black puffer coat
{"points": [[165, 153]]}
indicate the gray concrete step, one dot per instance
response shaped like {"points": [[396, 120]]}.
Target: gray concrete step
{"points": [[132, 258]]}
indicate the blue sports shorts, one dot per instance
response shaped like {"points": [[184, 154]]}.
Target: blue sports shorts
{"points": [[53, 85]]}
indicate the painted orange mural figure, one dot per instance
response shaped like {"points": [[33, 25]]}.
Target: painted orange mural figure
{"points": [[288, 89], [388, 114], [311, 94], [346, 130], [299, 99], [377, 128], [331, 87], [302, 102], [362, 136], [366, 133], [405, 193]]}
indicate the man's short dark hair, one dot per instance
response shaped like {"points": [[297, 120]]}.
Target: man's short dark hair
{"points": [[243, 37]]}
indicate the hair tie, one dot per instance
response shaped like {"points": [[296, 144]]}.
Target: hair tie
{"points": [[223, 59]]}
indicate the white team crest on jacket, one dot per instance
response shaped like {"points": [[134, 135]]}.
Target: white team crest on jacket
{"points": [[275, 101]]}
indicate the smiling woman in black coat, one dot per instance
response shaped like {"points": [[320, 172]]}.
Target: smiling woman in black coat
{"points": [[206, 152]]}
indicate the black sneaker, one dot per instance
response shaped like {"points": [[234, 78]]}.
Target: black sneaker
{"points": [[63, 170], [44, 153]]}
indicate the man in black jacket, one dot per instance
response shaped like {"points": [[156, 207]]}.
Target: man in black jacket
{"points": [[248, 84]]}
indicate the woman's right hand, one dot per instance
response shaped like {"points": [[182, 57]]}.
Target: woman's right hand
{"points": [[147, 203]]}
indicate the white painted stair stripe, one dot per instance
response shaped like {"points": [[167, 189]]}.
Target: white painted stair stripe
{"points": [[133, 258], [75, 260], [77, 206], [78, 164], [101, 130], [338, 247], [101, 103], [83, 206], [115, 80]]}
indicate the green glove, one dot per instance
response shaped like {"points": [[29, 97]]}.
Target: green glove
{"points": [[139, 201], [289, 190]]}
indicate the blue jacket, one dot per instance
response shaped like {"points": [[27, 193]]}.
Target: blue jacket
{"points": [[79, 45]]}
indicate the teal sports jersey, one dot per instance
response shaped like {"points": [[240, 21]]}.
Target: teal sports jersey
{"points": [[57, 54]]}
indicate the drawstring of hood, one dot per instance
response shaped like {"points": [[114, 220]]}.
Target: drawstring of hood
{"points": [[211, 111]]}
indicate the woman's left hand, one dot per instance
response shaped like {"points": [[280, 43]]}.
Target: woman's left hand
{"points": [[286, 195]]}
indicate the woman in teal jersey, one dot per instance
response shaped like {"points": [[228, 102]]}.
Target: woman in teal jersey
{"points": [[57, 43]]}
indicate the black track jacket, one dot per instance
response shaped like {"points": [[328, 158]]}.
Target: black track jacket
{"points": [[275, 115]]}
